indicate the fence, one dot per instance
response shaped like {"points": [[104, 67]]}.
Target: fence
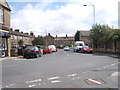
{"points": [[112, 47]]}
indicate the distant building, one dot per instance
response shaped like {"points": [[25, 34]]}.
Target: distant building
{"points": [[49, 40], [64, 41], [4, 28], [16, 36], [84, 36]]}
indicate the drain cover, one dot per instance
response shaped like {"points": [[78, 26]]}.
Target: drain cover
{"points": [[94, 81]]}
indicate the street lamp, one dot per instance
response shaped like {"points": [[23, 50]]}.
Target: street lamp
{"points": [[93, 11], [46, 36]]}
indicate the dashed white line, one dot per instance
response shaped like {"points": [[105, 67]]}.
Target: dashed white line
{"points": [[113, 64], [106, 66], [71, 75], [94, 81], [53, 78], [37, 80], [55, 81], [10, 85], [33, 85]]}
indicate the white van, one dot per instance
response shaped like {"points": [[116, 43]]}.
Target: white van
{"points": [[78, 46], [54, 49]]}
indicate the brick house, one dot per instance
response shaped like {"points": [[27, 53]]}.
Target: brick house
{"points": [[49, 40], [84, 36], [64, 41], [4, 28], [16, 36]]}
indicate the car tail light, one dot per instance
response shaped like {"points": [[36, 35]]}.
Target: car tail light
{"points": [[91, 49], [34, 51], [24, 51]]}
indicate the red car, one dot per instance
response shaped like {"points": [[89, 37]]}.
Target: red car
{"points": [[86, 49], [47, 50]]}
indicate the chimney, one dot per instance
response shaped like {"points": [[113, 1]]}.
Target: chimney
{"points": [[11, 29], [31, 33], [56, 35], [17, 30], [48, 34], [66, 35]]}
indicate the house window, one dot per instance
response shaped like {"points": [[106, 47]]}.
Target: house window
{"points": [[4, 43], [1, 16]]}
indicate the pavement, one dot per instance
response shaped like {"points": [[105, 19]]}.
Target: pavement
{"points": [[6, 58]]}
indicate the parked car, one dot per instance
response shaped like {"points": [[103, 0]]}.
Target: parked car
{"points": [[66, 48], [47, 50], [31, 51], [86, 49], [54, 49], [78, 46]]}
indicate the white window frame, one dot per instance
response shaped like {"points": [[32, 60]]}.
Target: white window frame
{"points": [[1, 16]]}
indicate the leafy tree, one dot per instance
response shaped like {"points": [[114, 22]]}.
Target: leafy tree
{"points": [[20, 43], [100, 34], [38, 41], [115, 35], [77, 36]]}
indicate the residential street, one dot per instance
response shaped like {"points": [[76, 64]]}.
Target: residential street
{"points": [[62, 69]]}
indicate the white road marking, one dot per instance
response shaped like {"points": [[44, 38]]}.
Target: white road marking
{"points": [[68, 55], [78, 77], [37, 80], [33, 85], [55, 81], [113, 64], [71, 75], [114, 74], [52, 78], [10, 85], [106, 66], [94, 81]]}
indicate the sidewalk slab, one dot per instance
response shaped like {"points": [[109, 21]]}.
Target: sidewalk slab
{"points": [[6, 58]]}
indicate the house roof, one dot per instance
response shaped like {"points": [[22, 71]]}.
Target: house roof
{"points": [[20, 34], [64, 38], [84, 33], [4, 4]]}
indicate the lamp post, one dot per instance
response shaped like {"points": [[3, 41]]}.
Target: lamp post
{"points": [[46, 36], [93, 12]]}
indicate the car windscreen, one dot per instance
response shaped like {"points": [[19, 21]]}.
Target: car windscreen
{"points": [[30, 48], [80, 44]]}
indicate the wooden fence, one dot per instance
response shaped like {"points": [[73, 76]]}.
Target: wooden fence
{"points": [[112, 47]]}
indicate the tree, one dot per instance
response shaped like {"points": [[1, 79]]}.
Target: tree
{"points": [[77, 36], [100, 34], [20, 43], [38, 41]]}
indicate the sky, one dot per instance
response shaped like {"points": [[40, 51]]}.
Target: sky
{"points": [[61, 17]]}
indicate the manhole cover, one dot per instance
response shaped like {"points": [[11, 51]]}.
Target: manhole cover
{"points": [[94, 81]]}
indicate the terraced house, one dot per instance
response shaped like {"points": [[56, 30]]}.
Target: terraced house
{"points": [[4, 28]]}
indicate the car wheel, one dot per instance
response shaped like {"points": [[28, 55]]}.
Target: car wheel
{"points": [[37, 55], [24, 56]]}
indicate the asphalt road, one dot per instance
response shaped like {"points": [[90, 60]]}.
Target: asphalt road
{"points": [[62, 69]]}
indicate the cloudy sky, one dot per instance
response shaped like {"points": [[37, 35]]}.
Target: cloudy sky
{"points": [[61, 17]]}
